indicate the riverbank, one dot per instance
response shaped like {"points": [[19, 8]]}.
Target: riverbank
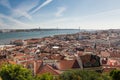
{"points": [[5, 38]]}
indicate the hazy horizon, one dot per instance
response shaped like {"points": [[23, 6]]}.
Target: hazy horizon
{"points": [[62, 14]]}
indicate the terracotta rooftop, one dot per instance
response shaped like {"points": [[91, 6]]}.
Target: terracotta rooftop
{"points": [[48, 69], [67, 64], [56, 57], [105, 54], [115, 55], [12, 62]]}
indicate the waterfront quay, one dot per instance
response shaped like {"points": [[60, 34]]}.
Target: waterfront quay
{"points": [[96, 50]]}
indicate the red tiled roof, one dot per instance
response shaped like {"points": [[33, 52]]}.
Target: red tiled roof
{"points": [[113, 62], [85, 58], [56, 57], [33, 41], [19, 54], [115, 55], [105, 54], [67, 64], [48, 69], [12, 62], [38, 65]]}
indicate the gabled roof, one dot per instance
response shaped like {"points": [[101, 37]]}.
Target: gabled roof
{"points": [[36, 65], [67, 64], [48, 69]]}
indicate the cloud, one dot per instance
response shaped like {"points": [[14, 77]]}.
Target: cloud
{"points": [[3, 25], [60, 11], [7, 22], [18, 13], [42, 5], [5, 3], [20, 10], [102, 20]]}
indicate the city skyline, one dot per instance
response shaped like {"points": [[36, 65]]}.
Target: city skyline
{"points": [[86, 14]]}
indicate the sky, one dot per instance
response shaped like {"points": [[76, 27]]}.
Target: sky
{"points": [[62, 14]]}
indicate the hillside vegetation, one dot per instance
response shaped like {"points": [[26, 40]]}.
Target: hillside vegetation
{"points": [[17, 72]]}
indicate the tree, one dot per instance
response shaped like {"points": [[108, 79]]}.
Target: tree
{"points": [[15, 72], [45, 76], [82, 75], [115, 74]]}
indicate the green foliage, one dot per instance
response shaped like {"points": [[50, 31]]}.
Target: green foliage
{"points": [[115, 74], [82, 75], [105, 76], [46, 76], [70, 75], [15, 72]]}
